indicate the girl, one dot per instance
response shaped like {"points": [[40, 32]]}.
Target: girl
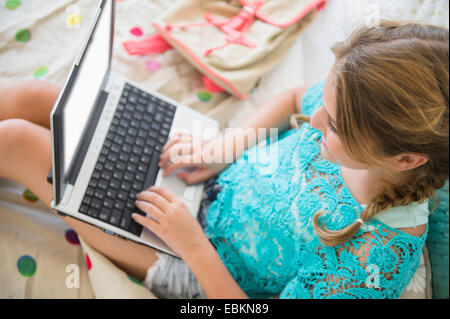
{"points": [[342, 213]]}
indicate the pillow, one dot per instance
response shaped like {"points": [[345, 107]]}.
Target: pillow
{"points": [[438, 244]]}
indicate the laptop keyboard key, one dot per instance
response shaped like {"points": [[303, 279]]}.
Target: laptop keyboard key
{"points": [[127, 148], [128, 177], [92, 212], [90, 191], [104, 214], [135, 228], [103, 184], [84, 209], [134, 159], [130, 205], [99, 194], [122, 165], [122, 195], [108, 203], [125, 186], [125, 222], [111, 193], [87, 200], [151, 108], [119, 205], [96, 204], [152, 171], [115, 218], [115, 183], [106, 175]]}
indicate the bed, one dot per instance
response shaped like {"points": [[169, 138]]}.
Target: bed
{"points": [[40, 256]]}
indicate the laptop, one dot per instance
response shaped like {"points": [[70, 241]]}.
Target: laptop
{"points": [[107, 135]]}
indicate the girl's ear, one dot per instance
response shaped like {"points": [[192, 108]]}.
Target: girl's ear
{"points": [[407, 161]]}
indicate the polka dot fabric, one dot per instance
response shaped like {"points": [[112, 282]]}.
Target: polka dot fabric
{"points": [[72, 237], [88, 262], [136, 31], [204, 96], [26, 265], [12, 4], [28, 196], [153, 65], [40, 72], [51, 43], [23, 35]]}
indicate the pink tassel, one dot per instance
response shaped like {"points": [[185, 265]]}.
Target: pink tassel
{"points": [[150, 45]]}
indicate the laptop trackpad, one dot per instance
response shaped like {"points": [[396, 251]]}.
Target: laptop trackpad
{"points": [[177, 186]]}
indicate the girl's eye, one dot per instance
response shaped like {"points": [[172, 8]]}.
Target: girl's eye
{"points": [[332, 128]]}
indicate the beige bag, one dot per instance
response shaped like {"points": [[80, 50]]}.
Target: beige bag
{"points": [[235, 42]]}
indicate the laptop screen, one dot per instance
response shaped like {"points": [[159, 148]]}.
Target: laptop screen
{"points": [[92, 70], [74, 108]]}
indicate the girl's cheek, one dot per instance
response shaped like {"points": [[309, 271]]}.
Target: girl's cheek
{"points": [[332, 144], [333, 147]]}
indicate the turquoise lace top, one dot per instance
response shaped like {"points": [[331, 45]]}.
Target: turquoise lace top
{"points": [[261, 225]]}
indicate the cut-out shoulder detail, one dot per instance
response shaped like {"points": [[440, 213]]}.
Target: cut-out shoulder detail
{"points": [[261, 224], [417, 232]]}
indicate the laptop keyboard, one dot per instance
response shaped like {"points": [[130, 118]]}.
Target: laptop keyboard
{"points": [[128, 161]]}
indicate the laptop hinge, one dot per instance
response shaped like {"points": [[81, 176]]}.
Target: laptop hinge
{"points": [[109, 82]]}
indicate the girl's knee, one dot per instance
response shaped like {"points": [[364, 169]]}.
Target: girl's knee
{"points": [[15, 132], [39, 89], [20, 95]]}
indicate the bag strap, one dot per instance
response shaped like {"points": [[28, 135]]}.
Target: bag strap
{"points": [[318, 4]]}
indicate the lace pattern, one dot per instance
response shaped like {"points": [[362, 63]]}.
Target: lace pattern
{"points": [[261, 225]]}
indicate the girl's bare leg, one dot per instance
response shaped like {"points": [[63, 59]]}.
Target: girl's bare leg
{"points": [[25, 151], [30, 100]]}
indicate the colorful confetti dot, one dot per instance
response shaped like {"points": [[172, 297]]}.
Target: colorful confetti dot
{"points": [[88, 262], [153, 65], [204, 96], [72, 237], [136, 31], [23, 35], [73, 20], [135, 280], [12, 4], [29, 196], [40, 72], [26, 266]]}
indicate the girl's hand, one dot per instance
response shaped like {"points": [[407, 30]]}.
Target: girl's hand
{"points": [[191, 153], [170, 220]]}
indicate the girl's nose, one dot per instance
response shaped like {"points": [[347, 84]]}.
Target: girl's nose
{"points": [[317, 120]]}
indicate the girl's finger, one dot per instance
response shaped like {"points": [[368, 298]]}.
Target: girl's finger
{"points": [[155, 199], [164, 192], [150, 209], [174, 152], [146, 222], [184, 161], [199, 175], [175, 139]]}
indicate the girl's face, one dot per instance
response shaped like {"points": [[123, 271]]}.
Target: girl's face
{"points": [[324, 120]]}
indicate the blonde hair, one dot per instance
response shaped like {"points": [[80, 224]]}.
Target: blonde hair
{"points": [[392, 94]]}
